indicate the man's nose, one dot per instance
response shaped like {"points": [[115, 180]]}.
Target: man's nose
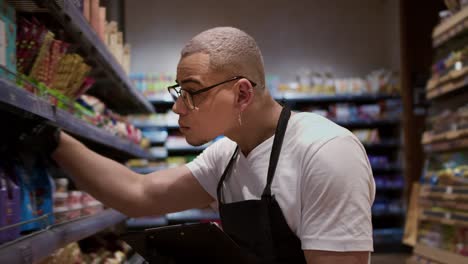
{"points": [[179, 107]]}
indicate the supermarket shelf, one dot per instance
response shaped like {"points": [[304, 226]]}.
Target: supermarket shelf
{"points": [[367, 123], [430, 137], [449, 145], [458, 83], [450, 27], [442, 220], [388, 214], [118, 94], [35, 247], [439, 255], [14, 99], [353, 123], [19, 99], [394, 143], [358, 98], [444, 196], [388, 168], [85, 130]]}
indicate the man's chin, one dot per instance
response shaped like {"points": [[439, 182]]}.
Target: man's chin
{"points": [[196, 142]]}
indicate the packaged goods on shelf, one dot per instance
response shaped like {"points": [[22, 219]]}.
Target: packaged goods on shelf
{"points": [[29, 190], [309, 83], [45, 60], [448, 124], [107, 31], [387, 109], [450, 238], [10, 207], [388, 235], [367, 135], [378, 160], [69, 205], [152, 120], [153, 86], [97, 114], [158, 152], [7, 39], [384, 206], [388, 182], [446, 168]]}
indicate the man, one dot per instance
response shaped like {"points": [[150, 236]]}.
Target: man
{"points": [[315, 206]]}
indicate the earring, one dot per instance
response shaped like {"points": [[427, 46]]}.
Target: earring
{"points": [[240, 119]]}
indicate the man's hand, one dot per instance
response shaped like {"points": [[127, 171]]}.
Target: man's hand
{"points": [[29, 135]]}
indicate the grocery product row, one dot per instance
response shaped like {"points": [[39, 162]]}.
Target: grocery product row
{"points": [[385, 111], [53, 53], [448, 124], [32, 200], [308, 83]]}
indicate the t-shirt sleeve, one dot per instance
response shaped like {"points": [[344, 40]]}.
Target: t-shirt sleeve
{"points": [[337, 193], [205, 167]]}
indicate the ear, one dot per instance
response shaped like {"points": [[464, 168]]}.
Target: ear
{"points": [[245, 94]]}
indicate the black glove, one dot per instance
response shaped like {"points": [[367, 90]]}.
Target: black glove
{"points": [[29, 135]]}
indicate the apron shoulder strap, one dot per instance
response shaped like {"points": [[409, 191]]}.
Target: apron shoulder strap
{"points": [[276, 149], [219, 188]]}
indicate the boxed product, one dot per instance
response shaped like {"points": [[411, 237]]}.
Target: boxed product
{"points": [[36, 194], [9, 207], [7, 40]]}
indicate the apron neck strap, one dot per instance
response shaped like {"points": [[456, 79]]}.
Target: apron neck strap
{"points": [[219, 189], [276, 149], [274, 157]]}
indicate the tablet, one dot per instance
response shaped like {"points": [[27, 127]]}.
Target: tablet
{"points": [[186, 243]]}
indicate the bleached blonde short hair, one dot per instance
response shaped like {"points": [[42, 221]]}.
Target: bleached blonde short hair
{"points": [[231, 51]]}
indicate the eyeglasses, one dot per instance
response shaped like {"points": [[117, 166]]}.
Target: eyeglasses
{"points": [[187, 96]]}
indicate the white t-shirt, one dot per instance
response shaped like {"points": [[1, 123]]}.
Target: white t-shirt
{"points": [[323, 182]]}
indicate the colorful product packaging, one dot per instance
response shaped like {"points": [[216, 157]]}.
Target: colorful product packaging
{"points": [[7, 40], [9, 205]]}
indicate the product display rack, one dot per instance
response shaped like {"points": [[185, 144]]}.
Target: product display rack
{"points": [[112, 87], [15, 99], [36, 246], [443, 198]]}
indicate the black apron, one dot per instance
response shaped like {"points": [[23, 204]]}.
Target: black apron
{"points": [[259, 226]]}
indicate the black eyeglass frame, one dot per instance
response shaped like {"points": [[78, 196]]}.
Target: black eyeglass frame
{"points": [[206, 89]]}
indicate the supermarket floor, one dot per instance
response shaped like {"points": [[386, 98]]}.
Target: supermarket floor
{"points": [[389, 258]]}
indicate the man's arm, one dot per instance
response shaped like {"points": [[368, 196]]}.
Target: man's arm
{"points": [[131, 193], [330, 257]]}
